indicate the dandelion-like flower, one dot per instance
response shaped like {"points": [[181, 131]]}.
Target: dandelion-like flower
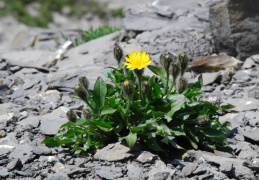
{"points": [[137, 60]]}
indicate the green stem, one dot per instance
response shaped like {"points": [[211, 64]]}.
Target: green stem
{"points": [[139, 83], [171, 87], [167, 81], [126, 113], [90, 106]]}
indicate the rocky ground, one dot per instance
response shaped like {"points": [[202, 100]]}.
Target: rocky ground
{"points": [[36, 87]]}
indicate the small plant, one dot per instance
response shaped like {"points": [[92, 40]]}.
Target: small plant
{"points": [[91, 34], [161, 114]]}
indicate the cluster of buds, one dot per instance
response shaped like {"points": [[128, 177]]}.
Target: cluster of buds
{"points": [[181, 84], [166, 59], [82, 88], [202, 120]]}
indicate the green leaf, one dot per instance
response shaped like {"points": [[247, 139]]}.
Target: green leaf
{"points": [[99, 93], [110, 74], [177, 102], [138, 128], [108, 110], [152, 144], [227, 107], [131, 139], [158, 71], [54, 142]]}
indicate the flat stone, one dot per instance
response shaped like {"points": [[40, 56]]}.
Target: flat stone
{"points": [[187, 170], [3, 172], [58, 166], [249, 63], [51, 123], [146, 157], [253, 118], [58, 176], [242, 104], [41, 150], [22, 152], [252, 135], [223, 154], [13, 164], [254, 93], [28, 58], [107, 172], [113, 152], [33, 121], [135, 170]]}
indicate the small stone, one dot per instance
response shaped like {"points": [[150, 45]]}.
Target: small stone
{"points": [[252, 135], [41, 150], [146, 157], [109, 172], [113, 152], [135, 170], [22, 152], [223, 154], [58, 166], [13, 164], [227, 168], [3, 172], [249, 63], [200, 170], [58, 176], [187, 170]]}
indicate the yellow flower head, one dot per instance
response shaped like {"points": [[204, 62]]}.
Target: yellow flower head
{"points": [[137, 60]]}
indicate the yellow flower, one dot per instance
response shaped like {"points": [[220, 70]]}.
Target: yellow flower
{"points": [[137, 60]]}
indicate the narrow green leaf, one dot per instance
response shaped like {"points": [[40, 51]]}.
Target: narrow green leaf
{"points": [[138, 128], [177, 102], [158, 71], [227, 107], [99, 93], [108, 110]]}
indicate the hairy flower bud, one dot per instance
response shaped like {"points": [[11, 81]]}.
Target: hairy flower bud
{"points": [[128, 88], [71, 116], [118, 53], [84, 82], [181, 85], [203, 119], [145, 87], [87, 114], [174, 69], [166, 59], [80, 91], [184, 60]]}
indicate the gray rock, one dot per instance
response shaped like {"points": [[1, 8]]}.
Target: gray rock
{"points": [[146, 157], [252, 135], [200, 170], [3, 172], [252, 117], [187, 170], [227, 169], [223, 154], [160, 171], [41, 150], [242, 104], [107, 172], [113, 152], [51, 123], [22, 152], [33, 121], [232, 35], [57, 167], [13, 164], [254, 93], [135, 170], [249, 63], [58, 176]]}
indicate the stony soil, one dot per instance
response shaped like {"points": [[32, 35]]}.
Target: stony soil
{"points": [[36, 87]]}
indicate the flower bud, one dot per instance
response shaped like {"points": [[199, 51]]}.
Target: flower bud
{"points": [[203, 119], [128, 88], [174, 69], [87, 114], [71, 116], [145, 87], [166, 59], [184, 60], [80, 91], [181, 85], [84, 82], [118, 53]]}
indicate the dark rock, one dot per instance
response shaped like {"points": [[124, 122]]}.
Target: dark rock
{"points": [[135, 170], [13, 164], [235, 27], [206, 176], [107, 172]]}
